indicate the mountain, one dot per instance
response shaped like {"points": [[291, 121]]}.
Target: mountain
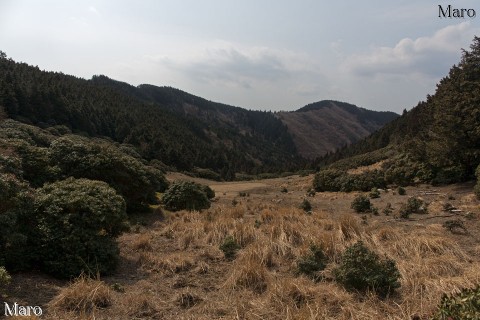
{"points": [[327, 125], [182, 131], [438, 141], [166, 124]]}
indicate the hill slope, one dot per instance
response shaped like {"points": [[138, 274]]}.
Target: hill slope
{"points": [[181, 130], [325, 126], [150, 118], [438, 141]]}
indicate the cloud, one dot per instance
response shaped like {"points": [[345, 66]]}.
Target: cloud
{"points": [[239, 66], [425, 56], [93, 10]]}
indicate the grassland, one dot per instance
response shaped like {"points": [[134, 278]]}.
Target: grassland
{"points": [[172, 267]]}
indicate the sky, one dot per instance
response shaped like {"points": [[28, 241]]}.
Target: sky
{"points": [[262, 54]]}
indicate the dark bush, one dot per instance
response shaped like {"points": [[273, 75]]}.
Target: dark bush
{"points": [[186, 195], [209, 192], [402, 191], [361, 204], [455, 226], [16, 199], [413, 205], [77, 222], [312, 263], [374, 193], [207, 174], [326, 180], [306, 205], [362, 269], [229, 247], [82, 158]]}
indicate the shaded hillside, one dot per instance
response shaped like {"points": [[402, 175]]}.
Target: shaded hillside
{"points": [[181, 130], [438, 141], [325, 126], [213, 115]]}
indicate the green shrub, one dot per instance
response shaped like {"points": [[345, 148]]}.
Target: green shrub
{"points": [[362, 269], [229, 247], [454, 226], [402, 191], [4, 277], [312, 263], [16, 213], [209, 192], [388, 209], [77, 222], [361, 204], [326, 180], [99, 160], [186, 195], [306, 205], [464, 305], [413, 205], [207, 174], [374, 193]]}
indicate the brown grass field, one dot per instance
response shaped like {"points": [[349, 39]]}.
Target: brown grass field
{"points": [[172, 267]]}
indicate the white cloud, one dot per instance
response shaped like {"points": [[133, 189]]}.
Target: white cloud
{"points": [[427, 56], [93, 10], [235, 65]]}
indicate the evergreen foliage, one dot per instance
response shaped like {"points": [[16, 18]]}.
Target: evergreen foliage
{"points": [[438, 141], [229, 247], [362, 269], [312, 263], [361, 204], [187, 195], [163, 123], [77, 220], [306, 205], [82, 158], [16, 199], [464, 305]]}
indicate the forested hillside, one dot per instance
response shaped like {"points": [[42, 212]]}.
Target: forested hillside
{"points": [[181, 130], [438, 141]]}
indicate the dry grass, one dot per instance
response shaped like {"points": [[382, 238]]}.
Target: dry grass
{"points": [[174, 269], [83, 296]]}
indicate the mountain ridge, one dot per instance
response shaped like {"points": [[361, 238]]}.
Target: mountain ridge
{"points": [[164, 123]]}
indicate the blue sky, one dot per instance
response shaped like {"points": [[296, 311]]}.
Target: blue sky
{"points": [[265, 55]]}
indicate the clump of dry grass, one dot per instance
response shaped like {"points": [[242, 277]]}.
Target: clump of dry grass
{"points": [[423, 246], [249, 273], [143, 242], [187, 299], [349, 227], [139, 305], [172, 263], [83, 296], [387, 234]]}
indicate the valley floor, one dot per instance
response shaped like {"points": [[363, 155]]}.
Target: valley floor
{"points": [[172, 268]]}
